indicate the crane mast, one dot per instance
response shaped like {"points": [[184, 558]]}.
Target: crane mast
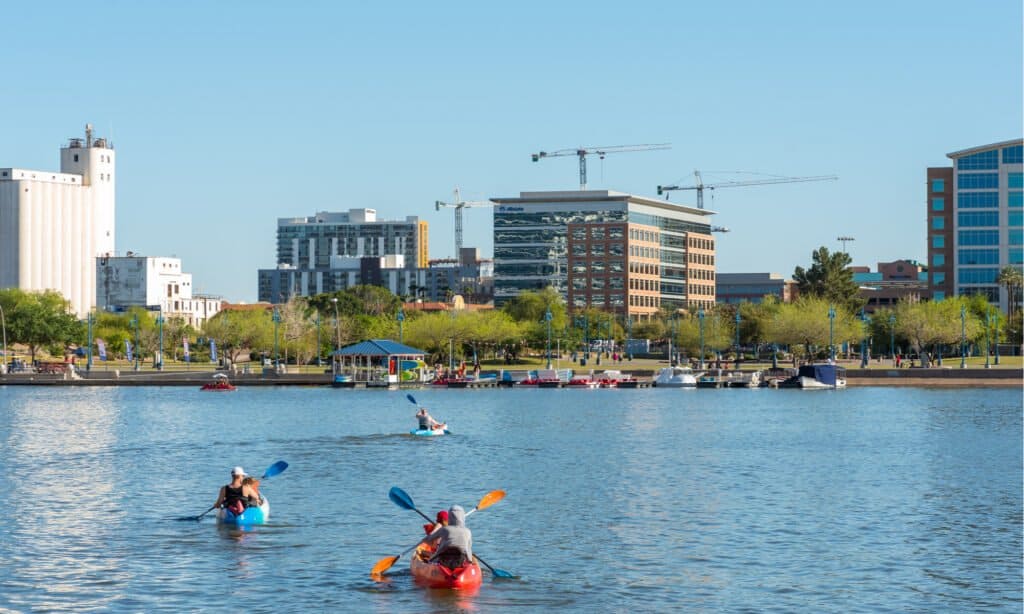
{"points": [[601, 152], [458, 204], [700, 186]]}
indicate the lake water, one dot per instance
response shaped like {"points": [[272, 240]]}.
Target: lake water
{"points": [[867, 499]]}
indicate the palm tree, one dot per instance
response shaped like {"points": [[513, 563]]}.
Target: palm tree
{"points": [[1012, 278]]}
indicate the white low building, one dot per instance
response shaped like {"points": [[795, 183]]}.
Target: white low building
{"points": [[54, 224], [155, 283]]}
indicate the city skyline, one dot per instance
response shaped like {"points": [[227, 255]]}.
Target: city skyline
{"points": [[226, 118]]}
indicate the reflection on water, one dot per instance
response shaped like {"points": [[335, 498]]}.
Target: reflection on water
{"points": [[863, 499]]}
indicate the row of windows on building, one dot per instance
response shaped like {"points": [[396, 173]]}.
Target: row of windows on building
{"points": [[707, 259], [598, 283], [598, 249], [986, 160], [640, 251], [701, 290], [601, 302], [967, 257], [636, 234], [699, 243], [644, 268], [597, 233], [648, 285]]}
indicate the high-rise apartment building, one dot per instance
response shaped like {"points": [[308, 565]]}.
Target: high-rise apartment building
{"points": [[54, 224], [987, 219], [627, 254], [328, 252]]}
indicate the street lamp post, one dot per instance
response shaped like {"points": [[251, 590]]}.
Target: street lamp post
{"points": [[401, 318], [337, 338], [89, 319], [277, 320], [892, 338], [3, 326], [988, 344], [963, 336], [135, 325], [672, 339], [737, 336], [629, 335], [547, 318], [864, 341], [586, 336], [831, 331], [700, 319], [160, 334], [995, 336], [319, 363]]}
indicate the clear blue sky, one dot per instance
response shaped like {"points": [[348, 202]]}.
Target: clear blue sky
{"points": [[228, 115]]}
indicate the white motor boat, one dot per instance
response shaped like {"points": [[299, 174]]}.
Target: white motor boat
{"points": [[675, 377]]}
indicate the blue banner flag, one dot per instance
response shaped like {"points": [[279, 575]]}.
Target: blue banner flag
{"points": [[102, 348], [213, 351], [128, 350]]}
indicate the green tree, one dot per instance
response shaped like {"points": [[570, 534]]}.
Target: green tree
{"points": [[927, 324], [40, 319], [239, 331], [805, 322], [830, 278]]}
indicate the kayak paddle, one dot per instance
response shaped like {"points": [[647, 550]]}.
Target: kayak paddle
{"points": [[275, 469], [402, 499], [412, 400]]}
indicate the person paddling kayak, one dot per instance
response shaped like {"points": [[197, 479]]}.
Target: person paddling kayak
{"points": [[442, 521], [426, 421], [234, 496], [453, 544]]}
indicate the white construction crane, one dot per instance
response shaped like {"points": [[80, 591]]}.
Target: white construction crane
{"points": [[458, 204], [583, 152], [700, 186]]}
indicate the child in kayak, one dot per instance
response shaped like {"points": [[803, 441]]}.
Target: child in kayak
{"points": [[255, 499], [453, 544], [442, 521]]}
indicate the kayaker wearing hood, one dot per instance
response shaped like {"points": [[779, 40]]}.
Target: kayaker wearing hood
{"points": [[453, 543]]}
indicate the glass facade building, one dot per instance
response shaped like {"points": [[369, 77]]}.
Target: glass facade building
{"points": [[986, 216], [608, 250]]}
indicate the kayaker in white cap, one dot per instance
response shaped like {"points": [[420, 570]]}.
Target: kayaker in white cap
{"points": [[233, 496]]}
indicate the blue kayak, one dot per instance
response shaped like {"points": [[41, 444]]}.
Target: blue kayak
{"points": [[251, 515]]}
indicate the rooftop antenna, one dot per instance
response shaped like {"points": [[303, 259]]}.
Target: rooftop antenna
{"points": [[88, 135]]}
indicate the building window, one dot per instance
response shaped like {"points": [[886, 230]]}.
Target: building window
{"points": [[938, 204], [1015, 200], [938, 185], [1016, 236], [978, 200], [978, 237], [1013, 154], [1016, 255], [977, 181], [938, 223], [938, 241], [1016, 218], [938, 278], [985, 160], [938, 259], [1015, 180], [978, 276], [978, 256], [977, 218]]}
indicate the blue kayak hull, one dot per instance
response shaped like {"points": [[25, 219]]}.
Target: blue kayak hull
{"points": [[427, 433], [251, 515]]}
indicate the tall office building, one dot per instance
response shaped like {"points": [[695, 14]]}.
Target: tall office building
{"points": [[987, 219], [54, 224], [328, 252], [627, 254]]}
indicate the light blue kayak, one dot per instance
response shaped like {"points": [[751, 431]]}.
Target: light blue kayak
{"points": [[429, 432], [251, 515]]}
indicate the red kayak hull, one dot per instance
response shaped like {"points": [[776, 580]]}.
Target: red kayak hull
{"points": [[433, 575]]}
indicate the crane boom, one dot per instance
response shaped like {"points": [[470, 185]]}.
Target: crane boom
{"points": [[601, 152], [700, 186], [458, 204]]}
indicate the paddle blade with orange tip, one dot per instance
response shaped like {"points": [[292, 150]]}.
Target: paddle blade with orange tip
{"points": [[490, 499], [383, 565]]}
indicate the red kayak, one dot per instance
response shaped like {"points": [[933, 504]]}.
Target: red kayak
{"points": [[435, 575]]}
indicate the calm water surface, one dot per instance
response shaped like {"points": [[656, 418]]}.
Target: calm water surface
{"points": [[868, 499]]}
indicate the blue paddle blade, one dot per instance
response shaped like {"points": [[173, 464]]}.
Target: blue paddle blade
{"points": [[400, 498], [501, 573], [447, 432], [412, 399], [274, 469]]}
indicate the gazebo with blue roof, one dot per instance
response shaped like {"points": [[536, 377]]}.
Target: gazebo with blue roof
{"points": [[379, 362]]}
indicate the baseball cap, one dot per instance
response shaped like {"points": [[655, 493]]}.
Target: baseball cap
{"points": [[238, 471]]}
